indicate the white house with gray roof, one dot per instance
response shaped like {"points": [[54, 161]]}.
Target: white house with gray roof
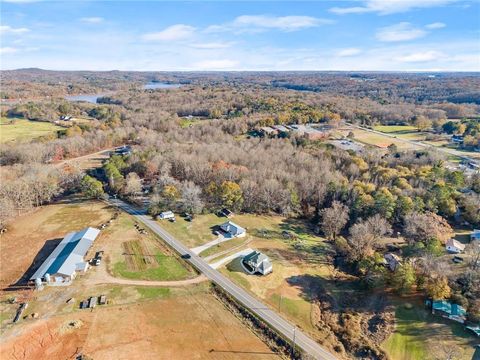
{"points": [[454, 246], [257, 263], [67, 259], [233, 230]]}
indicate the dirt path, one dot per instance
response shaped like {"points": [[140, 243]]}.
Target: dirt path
{"points": [[102, 154], [99, 275]]}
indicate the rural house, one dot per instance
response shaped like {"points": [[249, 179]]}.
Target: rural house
{"points": [[281, 129], [62, 265], [233, 230], [475, 235], [448, 310], [167, 215], [454, 246], [227, 213], [267, 130], [123, 150], [392, 261], [256, 262]]}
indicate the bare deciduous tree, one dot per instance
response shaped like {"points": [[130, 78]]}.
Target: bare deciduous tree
{"points": [[334, 219]]}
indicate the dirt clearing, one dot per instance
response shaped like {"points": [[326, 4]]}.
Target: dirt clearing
{"points": [[32, 237], [186, 327]]}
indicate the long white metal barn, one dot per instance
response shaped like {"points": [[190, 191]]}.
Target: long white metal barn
{"points": [[62, 265]]}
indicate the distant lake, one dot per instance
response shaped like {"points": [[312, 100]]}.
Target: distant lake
{"points": [[87, 98], [160, 85]]}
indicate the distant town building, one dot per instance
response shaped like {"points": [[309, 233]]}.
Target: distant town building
{"points": [[267, 130], [458, 139], [281, 128], [67, 259], [123, 150]]}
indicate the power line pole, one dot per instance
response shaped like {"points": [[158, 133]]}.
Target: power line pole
{"points": [[280, 304]]}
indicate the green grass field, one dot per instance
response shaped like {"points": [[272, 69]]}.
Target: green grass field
{"points": [[383, 141], [194, 233], [167, 268], [421, 335], [25, 130], [407, 343], [406, 132], [395, 128], [153, 292]]}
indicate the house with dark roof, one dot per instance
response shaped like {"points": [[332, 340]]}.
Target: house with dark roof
{"points": [[231, 229], [67, 259], [257, 263], [392, 261]]}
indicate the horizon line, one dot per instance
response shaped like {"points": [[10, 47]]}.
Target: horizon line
{"points": [[253, 71]]}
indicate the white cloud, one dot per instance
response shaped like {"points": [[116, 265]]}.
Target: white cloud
{"points": [[92, 20], [258, 23], [6, 29], [212, 45], [403, 31], [384, 7], [284, 23], [349, 52], [8, 50], [424, 56], [224, 64], [435, 25], [174, 32]]}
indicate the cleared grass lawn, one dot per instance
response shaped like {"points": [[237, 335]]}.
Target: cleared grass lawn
{"points": [[395, 128], [194, 233], [153, 293], [299, 263], [140, 257], [166, 268], [421, 335], [379, 140], [224, 246], [25, 130], [299, 260], [406, 132], [184, 123]]}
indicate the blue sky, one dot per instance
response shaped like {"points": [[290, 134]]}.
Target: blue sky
{"points": [[379, 35]]}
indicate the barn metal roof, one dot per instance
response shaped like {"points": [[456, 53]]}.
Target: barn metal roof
{"points": [[68, 254]]}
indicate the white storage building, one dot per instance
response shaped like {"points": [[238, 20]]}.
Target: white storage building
{"points": [[67, 259]]}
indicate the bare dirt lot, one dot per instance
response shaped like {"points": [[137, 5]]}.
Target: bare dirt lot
{"points": [[184, 327], [31, 237]]}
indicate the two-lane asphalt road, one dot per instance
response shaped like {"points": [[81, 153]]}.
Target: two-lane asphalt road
{"points": [[288, 330]]}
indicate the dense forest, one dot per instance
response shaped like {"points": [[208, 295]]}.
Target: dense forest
{"points": [[194, 151]]}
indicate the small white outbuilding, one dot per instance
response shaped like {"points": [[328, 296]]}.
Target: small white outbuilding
{"points": [[454, 246]]}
